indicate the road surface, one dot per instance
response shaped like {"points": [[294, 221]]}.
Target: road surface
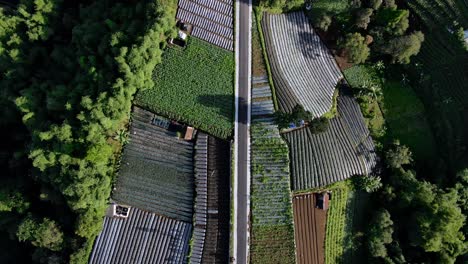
{"points": [[242, 135]]}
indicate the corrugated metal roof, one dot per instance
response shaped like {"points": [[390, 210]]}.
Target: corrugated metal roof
{"points": [[143, 237]]}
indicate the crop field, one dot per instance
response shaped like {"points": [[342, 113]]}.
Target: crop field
{"points": [[304, 71], [344, 150], [406, 119], [196, 86], [272, 224], [156, 171], [309, 225], [336, 223]]}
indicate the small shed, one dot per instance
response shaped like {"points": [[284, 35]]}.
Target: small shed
{"points": [[323, 200], [189, 133]]}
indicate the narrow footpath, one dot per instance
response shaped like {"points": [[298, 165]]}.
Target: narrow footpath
{"points": [[242, 132]]}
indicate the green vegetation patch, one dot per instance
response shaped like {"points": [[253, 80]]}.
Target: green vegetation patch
{"points": [[194, 85], [406, 120], [359, 76], [269, 246], [336, 222]]}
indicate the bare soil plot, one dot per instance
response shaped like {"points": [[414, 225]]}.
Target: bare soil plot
{"points": [[309, 225]]}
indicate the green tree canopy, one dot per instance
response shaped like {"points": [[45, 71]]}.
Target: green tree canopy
{"points": [[402, 48], [363, 17], [356, 48], [380, 233], [398, 155], [44, 234]]}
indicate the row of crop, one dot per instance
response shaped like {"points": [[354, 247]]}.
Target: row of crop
{"points": [[335, 228], [196, 86], [272, 223], [306, 56]]}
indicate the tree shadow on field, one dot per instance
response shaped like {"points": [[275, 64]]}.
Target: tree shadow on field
{"points": [[225, 105], [309, 42]]}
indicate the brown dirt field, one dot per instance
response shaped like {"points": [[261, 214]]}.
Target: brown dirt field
{"points": [[309, 233]]}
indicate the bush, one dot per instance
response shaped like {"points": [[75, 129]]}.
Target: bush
{"points": [[319, 125], [369, 184], [323, 22], [398, 155]]}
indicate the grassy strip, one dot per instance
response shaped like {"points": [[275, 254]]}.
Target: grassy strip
{"points": [[258, 18], [195, 86]]}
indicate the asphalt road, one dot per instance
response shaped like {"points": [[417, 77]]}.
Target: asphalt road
{"points": [[242, 137]]}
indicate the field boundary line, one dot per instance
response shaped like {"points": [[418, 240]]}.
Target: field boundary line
{"points": [[236, 129]]}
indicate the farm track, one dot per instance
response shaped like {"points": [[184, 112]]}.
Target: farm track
{"points": [[309, 230], [303, 68], [345, 149]]}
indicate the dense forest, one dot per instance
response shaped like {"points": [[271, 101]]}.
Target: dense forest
{"points": [[68, 73]]}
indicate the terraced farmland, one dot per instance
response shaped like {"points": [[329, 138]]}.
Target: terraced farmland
{"points": [[345, 149], [304, 71], [212, 20], [142, 238], [272, 224], [156, 172], [309, 223]]}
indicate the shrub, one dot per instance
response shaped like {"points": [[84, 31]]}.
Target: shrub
{"points": [[319, 125], [323, 22]]}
